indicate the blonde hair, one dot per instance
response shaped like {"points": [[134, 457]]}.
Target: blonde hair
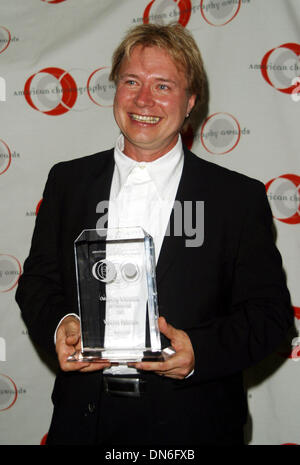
{"points": [[179, 44]]}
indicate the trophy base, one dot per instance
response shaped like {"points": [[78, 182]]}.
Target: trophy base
{"points": [[116, 358]]}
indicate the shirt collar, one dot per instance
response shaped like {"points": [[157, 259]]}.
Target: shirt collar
{"points": [[161, 170]]}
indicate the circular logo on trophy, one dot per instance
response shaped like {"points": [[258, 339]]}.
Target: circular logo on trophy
{"points": [[105, 271], [130, 272]]}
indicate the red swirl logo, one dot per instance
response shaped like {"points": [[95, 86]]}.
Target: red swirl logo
{"points": [[8, 392], [53, 1], [100, 90], [10, 271], [5, 38], [293, 351], [284, 197], [38, 207], [5, 157], [220, 133], [54, 91], [219, 13], [280, 66], [156, 10], [44, 440], [51, 91]]}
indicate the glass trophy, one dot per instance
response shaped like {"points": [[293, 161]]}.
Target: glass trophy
{"points": [[117, 296]]}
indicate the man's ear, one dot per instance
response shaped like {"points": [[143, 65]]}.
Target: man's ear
{"points": [[191, 102]]}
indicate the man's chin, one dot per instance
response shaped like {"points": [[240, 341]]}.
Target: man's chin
{"points": [[148, 149]]}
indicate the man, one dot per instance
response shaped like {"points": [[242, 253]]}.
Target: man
{"points": [[224, 304]]}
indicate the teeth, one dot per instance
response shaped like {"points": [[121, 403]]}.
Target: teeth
{"points": [[146, 119]]}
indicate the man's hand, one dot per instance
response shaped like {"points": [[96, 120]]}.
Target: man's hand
{"points": [[67, 342], [179, 365]]}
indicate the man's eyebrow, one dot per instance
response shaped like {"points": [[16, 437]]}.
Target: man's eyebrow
{"points": [[157, 78], [127, 75], [166, 80]]}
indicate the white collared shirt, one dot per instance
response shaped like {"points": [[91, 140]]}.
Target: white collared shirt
{"points": [[143, 193]]}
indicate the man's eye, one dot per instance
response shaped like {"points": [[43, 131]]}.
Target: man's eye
{"points": [[131, 82], [163, 87]]}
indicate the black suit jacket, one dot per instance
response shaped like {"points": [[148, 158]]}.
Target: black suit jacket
{"points": [[229, 294]]}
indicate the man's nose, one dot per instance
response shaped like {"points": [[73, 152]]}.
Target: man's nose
{"points": [[144, 97]]}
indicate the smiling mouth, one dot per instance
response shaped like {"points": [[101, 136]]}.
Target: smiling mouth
{"points": [[145, 119]]}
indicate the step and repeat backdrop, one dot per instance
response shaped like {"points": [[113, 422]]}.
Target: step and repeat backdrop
{"points": [[56, 104]]}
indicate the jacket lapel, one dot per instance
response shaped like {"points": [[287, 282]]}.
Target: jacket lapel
{"points": [[192, 187], [97, 194]]}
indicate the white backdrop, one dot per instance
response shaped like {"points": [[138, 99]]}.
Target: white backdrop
{"points": [[55, 57]]}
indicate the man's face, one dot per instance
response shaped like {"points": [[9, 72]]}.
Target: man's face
{"points": [[151, 103]]}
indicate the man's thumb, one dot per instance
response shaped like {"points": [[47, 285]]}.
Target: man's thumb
{"points": [[165, 328], [72, 332]]}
